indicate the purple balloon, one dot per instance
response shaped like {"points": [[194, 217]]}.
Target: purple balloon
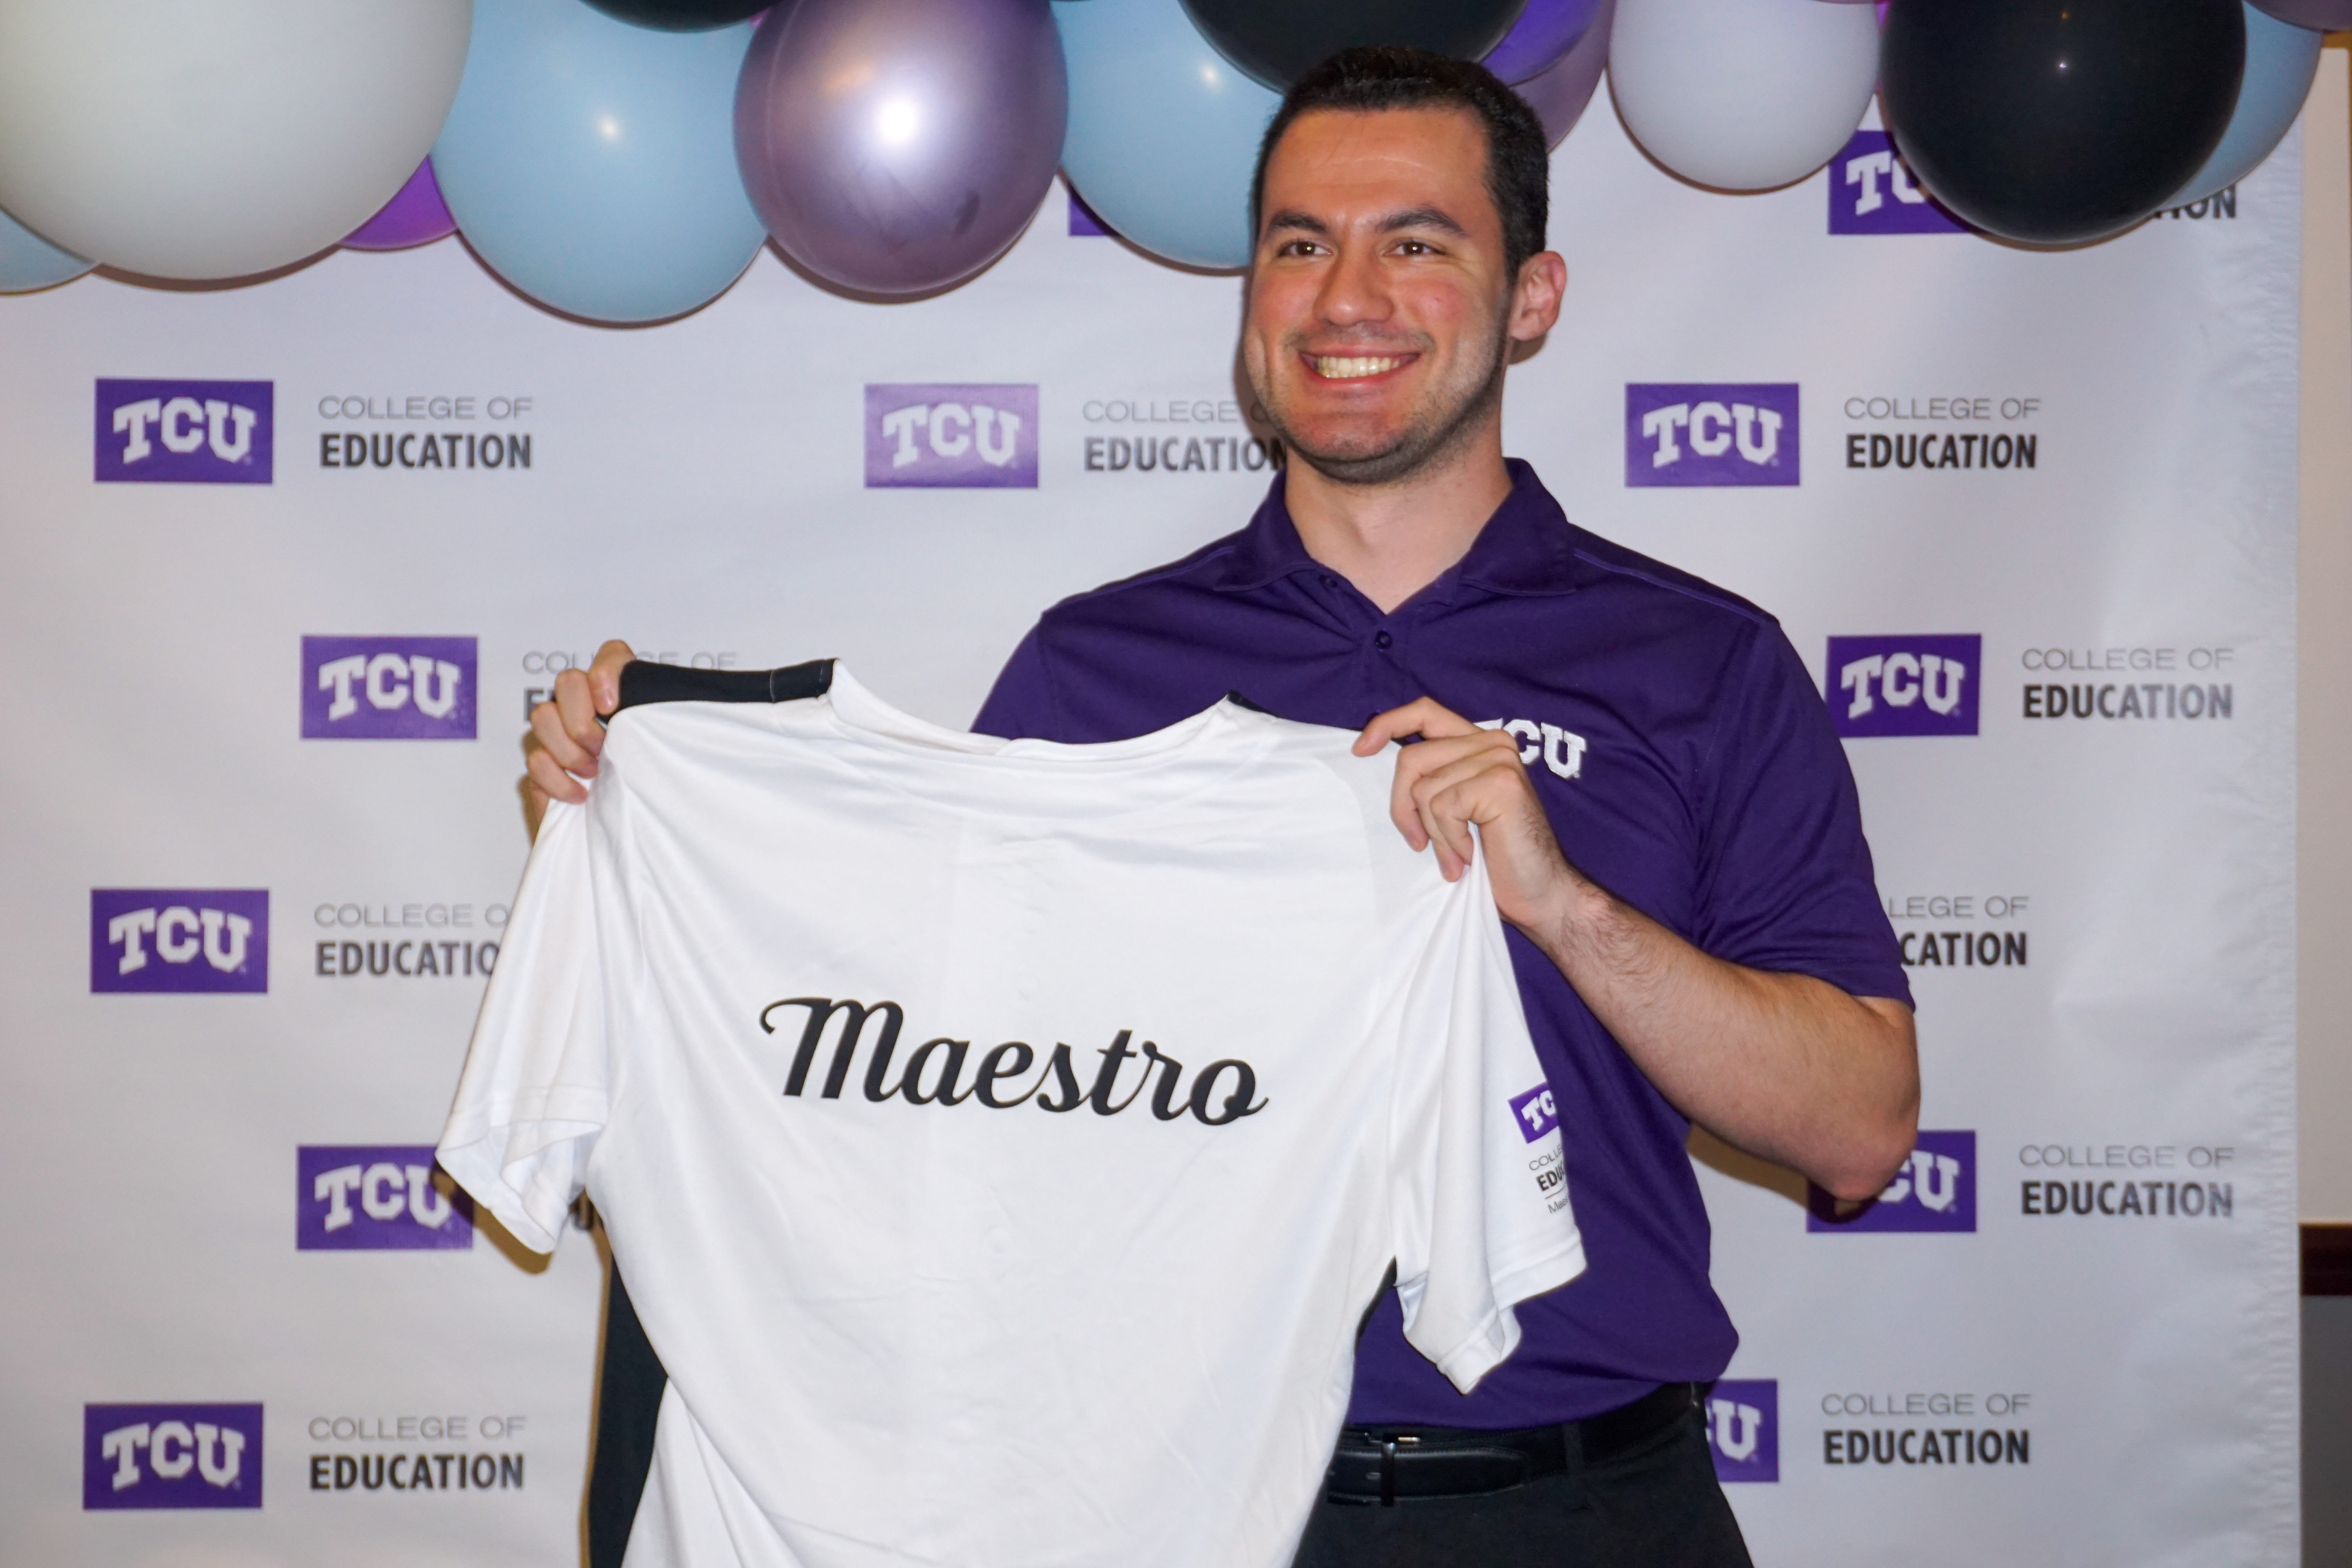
{"points": [[897, 146], [417, 216], [1560, 94], [1546, 30], [2320, 16]]}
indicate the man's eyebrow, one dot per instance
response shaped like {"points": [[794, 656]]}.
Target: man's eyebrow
{"points": [[1423, 217], [1292, 219]]}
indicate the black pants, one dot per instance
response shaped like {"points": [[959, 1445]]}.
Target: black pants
{"points": [[1657, 1505]]}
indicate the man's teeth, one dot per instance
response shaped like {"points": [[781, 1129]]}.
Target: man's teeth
{"points": [[1334, 368]]}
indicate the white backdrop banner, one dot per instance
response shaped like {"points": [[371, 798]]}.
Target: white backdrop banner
{"points": [[287, 564]]}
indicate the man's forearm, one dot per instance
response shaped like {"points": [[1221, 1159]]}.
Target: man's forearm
{"points": [[1785, 1066]]}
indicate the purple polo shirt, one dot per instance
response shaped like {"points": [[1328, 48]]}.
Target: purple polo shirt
{"points": [[1688, 765]]}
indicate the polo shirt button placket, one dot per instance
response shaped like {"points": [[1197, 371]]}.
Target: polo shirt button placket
{"points": [[1382, 641]]}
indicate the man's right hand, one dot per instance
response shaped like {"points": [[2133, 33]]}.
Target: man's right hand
{"points": [[559, 754]]}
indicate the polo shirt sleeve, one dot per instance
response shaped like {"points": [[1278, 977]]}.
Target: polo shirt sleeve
{"points": [[1479, 1194], [1785, 877], [534, 1094], [1021, 705]]}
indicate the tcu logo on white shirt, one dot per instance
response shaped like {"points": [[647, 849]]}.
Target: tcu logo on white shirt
{"points": [[961, 436], [171, 1456], [388, 689], [1562, 750], [167, 939]]}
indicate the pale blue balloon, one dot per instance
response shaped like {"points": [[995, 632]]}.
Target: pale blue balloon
{"points": [[1163, 130], [2281, 60], [28, 262], [592, 163]]}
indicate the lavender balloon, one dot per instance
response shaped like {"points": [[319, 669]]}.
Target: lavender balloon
{"points": [[1558, 93], [897, 146], [417, 215], [1545, 31]]}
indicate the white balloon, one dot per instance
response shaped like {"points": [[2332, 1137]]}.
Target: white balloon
{"points": [[217, 138], [1742, 95]]}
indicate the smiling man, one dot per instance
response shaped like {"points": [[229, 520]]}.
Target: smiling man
{"points": [[1669, 823]]}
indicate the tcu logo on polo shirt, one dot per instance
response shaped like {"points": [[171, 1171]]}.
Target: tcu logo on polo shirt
{"points": [[1936, 1190], [935, 437], [171, 1456], [1743, 1429], [1905, 685], [388, 689], [183, 432], [1562, 750], [1871, 192], [376, 1198], [1702, 433], [179, 938]]}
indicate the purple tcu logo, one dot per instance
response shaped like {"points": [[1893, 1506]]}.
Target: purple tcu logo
{"points": [[1701, 433], [1871, 192], [1905, 685], [1743, 1428], [179, 938], [1536, 1113], [183, 432], [376, 1198], [1935, 1190], [171, 1456], [388, 689], [951, 437]]}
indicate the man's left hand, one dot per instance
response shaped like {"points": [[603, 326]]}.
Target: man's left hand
{"points": [[1459, 774], [1782, 1065]]}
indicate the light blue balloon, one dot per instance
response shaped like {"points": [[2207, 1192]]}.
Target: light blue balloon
{"points": [[2281, 60], [1163, 130], [28, 262], [592, 163]]}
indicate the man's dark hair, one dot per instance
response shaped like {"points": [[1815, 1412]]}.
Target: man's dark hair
{"points": [[1387, 76]]}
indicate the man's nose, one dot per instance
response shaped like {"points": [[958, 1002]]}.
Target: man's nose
{"points": [[1353, 291]]}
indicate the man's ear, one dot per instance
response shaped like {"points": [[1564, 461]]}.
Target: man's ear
{"points": [[1535, 298]]}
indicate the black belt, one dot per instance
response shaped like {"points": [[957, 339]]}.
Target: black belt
{"points": [[1383, 1464]]}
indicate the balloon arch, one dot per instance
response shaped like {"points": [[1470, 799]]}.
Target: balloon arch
{"points": [[624, 162]]}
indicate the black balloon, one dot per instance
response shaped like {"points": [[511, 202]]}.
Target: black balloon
{"points": [[681, 16], [2056, 122], [1276, 40]]}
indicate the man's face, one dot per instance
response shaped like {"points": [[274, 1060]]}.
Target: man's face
{"points": [[1378, 300]]}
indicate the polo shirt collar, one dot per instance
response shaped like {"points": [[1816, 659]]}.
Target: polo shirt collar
{"points": [[1528, 547]]}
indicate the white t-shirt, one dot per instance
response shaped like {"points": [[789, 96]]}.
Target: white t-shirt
{"points": [[1003, 1140]]}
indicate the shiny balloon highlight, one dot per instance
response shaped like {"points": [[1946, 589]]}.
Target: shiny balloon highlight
{"points": [[897, 147]]}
